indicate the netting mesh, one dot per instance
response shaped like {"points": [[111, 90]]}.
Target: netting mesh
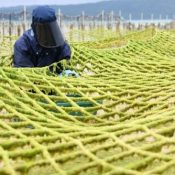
{"points": [[117, 118]]}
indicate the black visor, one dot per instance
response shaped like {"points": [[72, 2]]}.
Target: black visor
{"points": [[49, 35]]}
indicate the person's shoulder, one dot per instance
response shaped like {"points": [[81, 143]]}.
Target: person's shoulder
{"points": [[28, 34], [24, 40], [21, 44]]}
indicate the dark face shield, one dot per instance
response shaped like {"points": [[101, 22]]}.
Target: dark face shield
{"points": [[49, 35]]}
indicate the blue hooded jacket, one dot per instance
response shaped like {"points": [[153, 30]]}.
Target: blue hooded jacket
{"points": [[28, 52]]}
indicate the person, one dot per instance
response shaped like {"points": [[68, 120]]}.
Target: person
{"points": [[43, 44]]}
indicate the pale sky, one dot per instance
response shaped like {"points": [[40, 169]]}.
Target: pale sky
{"points": [[7, 3]]}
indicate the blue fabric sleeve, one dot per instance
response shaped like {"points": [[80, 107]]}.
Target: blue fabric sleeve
{"points": [[22, 57], [66, 51]]}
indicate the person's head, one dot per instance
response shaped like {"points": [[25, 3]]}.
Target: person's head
{"points": [[46, 28]]}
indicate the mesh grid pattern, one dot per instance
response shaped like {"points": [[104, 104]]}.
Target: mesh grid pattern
{"points": [[117, 118]]}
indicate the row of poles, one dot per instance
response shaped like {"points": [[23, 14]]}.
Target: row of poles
{"points": [[103, 16], [82, 22]]}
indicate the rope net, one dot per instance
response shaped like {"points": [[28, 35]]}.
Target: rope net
{"points": [[117, 118]]}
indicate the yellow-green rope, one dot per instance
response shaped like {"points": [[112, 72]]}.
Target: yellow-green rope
{"points": [[117, 118]]}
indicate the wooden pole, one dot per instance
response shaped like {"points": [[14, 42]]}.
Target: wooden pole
{"points": [[25, 18], [120, 13], [3, 27], [112, 19], [102, 19], [10, 25], [59, 17], [83, 20]]}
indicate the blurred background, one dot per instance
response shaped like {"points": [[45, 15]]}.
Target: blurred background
{"points": [[116, 15]]}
